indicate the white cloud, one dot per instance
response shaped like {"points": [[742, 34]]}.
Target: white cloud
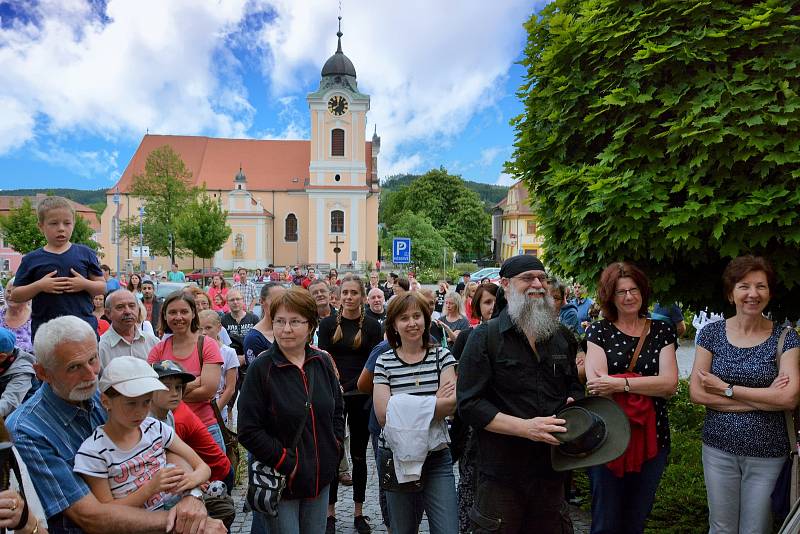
{"points": [[150, 64], [428, 66], [505, 180], [488, 155], [16, 124], [406, 164], [87, 164]]}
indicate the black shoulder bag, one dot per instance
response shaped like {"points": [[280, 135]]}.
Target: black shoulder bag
{"points": [[265, 484]]}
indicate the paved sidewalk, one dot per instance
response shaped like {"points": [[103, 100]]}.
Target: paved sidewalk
{"points": [[344, 508]]}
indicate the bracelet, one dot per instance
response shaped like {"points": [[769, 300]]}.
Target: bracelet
{"points": [[36, 527]]}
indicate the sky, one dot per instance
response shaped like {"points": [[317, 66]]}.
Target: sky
{"points": [[82, 81]]}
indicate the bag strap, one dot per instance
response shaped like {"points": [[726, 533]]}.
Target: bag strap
{"points": [[438, 368], [788, 415], [494, 337], [308, 409], [212, 402], [642, 337]]}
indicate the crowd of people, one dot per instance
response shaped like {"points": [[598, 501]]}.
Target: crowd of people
{"points": [[120, 404]]}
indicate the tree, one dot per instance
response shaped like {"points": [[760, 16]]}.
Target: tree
{"points": [[449, 205], [20, 229], [667, 134], [165, 189], [427, 243], [203, 227]]}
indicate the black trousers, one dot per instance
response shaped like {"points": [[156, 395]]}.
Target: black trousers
{"points": [[512, 507], [358, 421]]}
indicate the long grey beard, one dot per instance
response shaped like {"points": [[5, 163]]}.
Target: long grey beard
{"points": [[534, 317]]}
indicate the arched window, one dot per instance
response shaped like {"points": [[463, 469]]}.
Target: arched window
{"points": [[337, 142], [291, 228], [337, 222]]}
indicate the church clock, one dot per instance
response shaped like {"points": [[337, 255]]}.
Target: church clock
{"points": [[337, 105]]}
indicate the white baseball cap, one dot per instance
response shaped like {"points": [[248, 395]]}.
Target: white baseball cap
{"points": [[131, 377]]}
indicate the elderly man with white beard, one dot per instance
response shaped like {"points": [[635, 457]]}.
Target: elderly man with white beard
{"points": [[515, 372]]}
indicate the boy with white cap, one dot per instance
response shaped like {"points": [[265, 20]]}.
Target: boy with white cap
{"points": [[125, 460]]}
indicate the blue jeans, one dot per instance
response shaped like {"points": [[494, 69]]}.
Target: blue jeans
{"points": [[216, 433], [295, 516], [620, 505], [439, 498]]}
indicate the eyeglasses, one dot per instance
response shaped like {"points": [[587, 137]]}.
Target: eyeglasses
{"points": [[293, 324], [634, 291], [529, 278]]}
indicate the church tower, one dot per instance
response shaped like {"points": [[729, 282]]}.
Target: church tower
{"points": [[340, 190]]}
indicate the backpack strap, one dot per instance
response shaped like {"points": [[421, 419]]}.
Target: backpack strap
{"points": [[495, 339]]}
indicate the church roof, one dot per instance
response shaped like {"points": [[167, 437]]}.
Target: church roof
{"points": [[270, 165], [9, 202]]}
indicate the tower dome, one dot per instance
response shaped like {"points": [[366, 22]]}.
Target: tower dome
{"points": [[339, 64]]}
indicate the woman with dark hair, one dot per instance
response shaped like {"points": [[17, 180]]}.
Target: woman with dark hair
{"points": [[631, 358], [272, 404], [135, 285], [745, 388], [218, 287], [261, 336], [179, 318], [349, 337], [415, 368]]}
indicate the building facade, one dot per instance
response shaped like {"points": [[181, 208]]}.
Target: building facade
{"points": [[289, 202], [517, 224]]}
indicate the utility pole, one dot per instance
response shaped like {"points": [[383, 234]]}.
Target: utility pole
{"points": [[141, 239]]}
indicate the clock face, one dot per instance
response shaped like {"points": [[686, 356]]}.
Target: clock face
{"points": [[337, 105]]}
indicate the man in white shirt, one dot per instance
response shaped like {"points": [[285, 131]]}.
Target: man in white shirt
{"points": [[124, 338]]}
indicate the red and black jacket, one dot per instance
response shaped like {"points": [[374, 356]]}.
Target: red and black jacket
{"points": [[272, 404]]}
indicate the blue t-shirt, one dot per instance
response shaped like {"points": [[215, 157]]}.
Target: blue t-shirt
{"points": [[583, 306], [112, 284], [38, 263], [672, 312], [380, 348], [254, 344]]}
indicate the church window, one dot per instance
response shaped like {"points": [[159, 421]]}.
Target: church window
{"points": [[291, 228], [337, 177], [337, 221], [337, 142], [531, 227]]}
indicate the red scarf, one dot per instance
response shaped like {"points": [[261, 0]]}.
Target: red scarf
{"points": [[643, 445]]}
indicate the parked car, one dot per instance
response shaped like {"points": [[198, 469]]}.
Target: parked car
{"points": [[165, 288], [486, 272], [201, 275]]}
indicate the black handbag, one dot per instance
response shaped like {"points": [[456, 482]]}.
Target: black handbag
{"points": [[388, 479], [265, 484]]}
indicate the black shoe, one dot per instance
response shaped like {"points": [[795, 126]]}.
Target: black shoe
{"points": [[330, 525], [361, 524]]}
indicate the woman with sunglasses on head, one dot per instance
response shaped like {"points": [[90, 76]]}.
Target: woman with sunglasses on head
{"points": [[272, 404], [349, 337], [631, 358]]}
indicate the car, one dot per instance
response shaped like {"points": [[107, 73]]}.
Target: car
{"points": [[163, 289], [201, 275], [486, 272]]}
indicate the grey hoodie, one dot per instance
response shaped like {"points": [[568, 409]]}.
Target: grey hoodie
{"points": [[16, 382]]}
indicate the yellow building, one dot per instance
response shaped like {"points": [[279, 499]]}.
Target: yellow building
{"points": [[289, 202], [518, 224]]}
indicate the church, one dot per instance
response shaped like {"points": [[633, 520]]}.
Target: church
{"points": [[288, 202]]}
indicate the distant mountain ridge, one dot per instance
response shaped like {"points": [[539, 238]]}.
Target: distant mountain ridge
{"points": [[490, 194], [82, 196]]}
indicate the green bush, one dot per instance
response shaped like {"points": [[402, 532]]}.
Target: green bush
{"points": [[680, 504]]}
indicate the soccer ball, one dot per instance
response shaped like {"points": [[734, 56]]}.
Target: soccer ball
{"points": [[216, 488]]}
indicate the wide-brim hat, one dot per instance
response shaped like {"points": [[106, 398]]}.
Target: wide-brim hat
{"points": [[598, 432]]}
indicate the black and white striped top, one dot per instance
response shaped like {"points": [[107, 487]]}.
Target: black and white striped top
{"points": [[419, 378]]}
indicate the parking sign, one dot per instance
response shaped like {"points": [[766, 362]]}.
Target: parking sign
{"points": [[401, 250]]}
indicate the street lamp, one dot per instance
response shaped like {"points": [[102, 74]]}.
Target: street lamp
{"points": [[141, 239], [116, 228]]}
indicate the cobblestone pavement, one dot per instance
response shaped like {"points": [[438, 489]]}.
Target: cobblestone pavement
{"points": [[344, 508]]}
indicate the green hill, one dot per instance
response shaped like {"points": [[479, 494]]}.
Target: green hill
{"points": [[95, 199], [490, 194]]}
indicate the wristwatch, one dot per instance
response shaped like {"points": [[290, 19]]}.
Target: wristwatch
{"points": [[627, 387], [729, 391], [196, 493]]}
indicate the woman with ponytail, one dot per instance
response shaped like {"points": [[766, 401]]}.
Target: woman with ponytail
{"points": [[349, 337]]}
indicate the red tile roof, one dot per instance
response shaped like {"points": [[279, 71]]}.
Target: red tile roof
{"points": [[269, 165], [8, 202]]}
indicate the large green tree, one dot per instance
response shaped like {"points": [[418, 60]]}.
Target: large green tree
{"points": [[165, 189], [451, 207], [21, 232], [427, 244], [203, 227], [666, 133]]}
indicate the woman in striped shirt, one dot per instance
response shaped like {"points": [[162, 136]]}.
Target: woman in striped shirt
{"points": [[415, 367]]}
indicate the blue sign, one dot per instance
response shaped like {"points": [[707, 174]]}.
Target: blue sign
{"points": [[401, 250]]}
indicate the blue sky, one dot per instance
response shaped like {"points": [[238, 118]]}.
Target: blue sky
{"points": [[81, 81]]}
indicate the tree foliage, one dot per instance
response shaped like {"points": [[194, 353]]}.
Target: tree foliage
{"points": [[165, 189], [20, 229], [203, 227], [427, 244], [450, 206], [665, 133]]}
